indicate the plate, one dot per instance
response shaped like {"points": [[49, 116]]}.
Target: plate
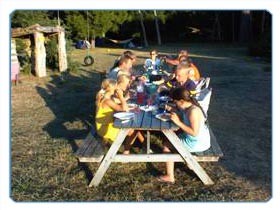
{"points": [[163, 116], [132, 106], [148, 108], [148, 84], [164, 98], [124, 115]]}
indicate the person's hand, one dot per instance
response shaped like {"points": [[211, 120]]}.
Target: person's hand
{"points": [[142, 78], [167, 108], [175, 118], [119, 93], [127, 96]]}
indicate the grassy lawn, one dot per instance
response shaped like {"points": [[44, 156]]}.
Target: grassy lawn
{"points": [[51, 116]]}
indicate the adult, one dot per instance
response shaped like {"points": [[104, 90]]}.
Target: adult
{"points": [[128, 53], [183, 56], [152, 63], [124, 67], [181, 79], [194, 73], [175, 61], [193, 131]]}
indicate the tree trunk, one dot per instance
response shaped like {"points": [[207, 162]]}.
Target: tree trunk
{"points": [[217, 28], [157, 28], [245, 27], [143, 29]]}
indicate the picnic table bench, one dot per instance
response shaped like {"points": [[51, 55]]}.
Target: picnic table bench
{"points": [[92, 149]]}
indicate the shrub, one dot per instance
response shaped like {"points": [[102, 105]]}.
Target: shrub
{"points": [[73, 66], [52, 53]]}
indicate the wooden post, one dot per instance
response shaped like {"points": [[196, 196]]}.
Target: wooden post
{"points": [[62, 57], [40, 55]]}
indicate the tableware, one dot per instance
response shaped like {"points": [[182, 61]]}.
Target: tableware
{"points": [[132, 106], [140, 97], [163, 116], [124, 115], [149, 108], [164, 98]]}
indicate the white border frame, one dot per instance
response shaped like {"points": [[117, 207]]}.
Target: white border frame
{"points": [[8, 6]]}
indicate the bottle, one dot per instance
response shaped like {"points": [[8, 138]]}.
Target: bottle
{"points": [[140, 95]]}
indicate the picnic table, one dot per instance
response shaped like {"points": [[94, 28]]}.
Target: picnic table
{"points": [[146, 122]]}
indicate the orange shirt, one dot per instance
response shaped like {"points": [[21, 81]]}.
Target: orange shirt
{"points": [[196, 72]]}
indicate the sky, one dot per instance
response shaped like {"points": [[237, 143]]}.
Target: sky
{"points": [[8, 6]]}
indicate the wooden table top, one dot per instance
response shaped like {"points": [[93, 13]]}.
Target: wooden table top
{"points": [[145, 121]]}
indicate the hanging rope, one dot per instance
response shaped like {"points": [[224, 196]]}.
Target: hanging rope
{"points": [[88, 60]]}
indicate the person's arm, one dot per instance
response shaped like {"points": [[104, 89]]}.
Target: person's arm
{"points": [[174, 62], [194, 117], [122, 106]]}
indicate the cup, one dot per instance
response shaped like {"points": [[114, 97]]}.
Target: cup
{"points": [[140, 98]]}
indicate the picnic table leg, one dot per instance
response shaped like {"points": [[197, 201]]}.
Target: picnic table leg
{"points": [[148, 142], [187, 156], [109, 157]]}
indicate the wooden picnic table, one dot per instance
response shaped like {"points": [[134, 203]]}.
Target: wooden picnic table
{"points": [[147, 122]]}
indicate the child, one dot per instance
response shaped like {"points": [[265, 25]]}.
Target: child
{"points": [[106, 107], [193, 131]]}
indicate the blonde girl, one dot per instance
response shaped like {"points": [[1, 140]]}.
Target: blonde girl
{"points": [[105, 109]]}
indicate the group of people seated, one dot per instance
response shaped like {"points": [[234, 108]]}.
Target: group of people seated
{"points": [[186, 112]]}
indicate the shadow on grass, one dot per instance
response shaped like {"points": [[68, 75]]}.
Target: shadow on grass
{"points": [[71, 99]]}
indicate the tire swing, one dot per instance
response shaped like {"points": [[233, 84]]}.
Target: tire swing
{"points": [[88, 60]]}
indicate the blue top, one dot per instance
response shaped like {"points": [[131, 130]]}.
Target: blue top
{"points": [[113, 74], [152, 65], [198, 143]]}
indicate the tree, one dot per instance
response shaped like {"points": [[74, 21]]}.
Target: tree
{"points": [[245, 27], [143, 29], [104, 21], [157, 28], [25, 18], [76, 23]]}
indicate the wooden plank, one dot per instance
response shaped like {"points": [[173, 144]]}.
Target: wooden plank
{"points": [[91, 147], [147, 158], [186, 155], [94, 152], [214, 152], [89, 138], [154, 158], [147, 120]]}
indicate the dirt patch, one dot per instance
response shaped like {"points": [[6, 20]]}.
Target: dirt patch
{"points": [[50, 117]]}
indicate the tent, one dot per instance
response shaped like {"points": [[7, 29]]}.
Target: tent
{"points": [[82, 44]]}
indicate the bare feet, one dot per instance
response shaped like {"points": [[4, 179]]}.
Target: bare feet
{"points": [[166, 179]]}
